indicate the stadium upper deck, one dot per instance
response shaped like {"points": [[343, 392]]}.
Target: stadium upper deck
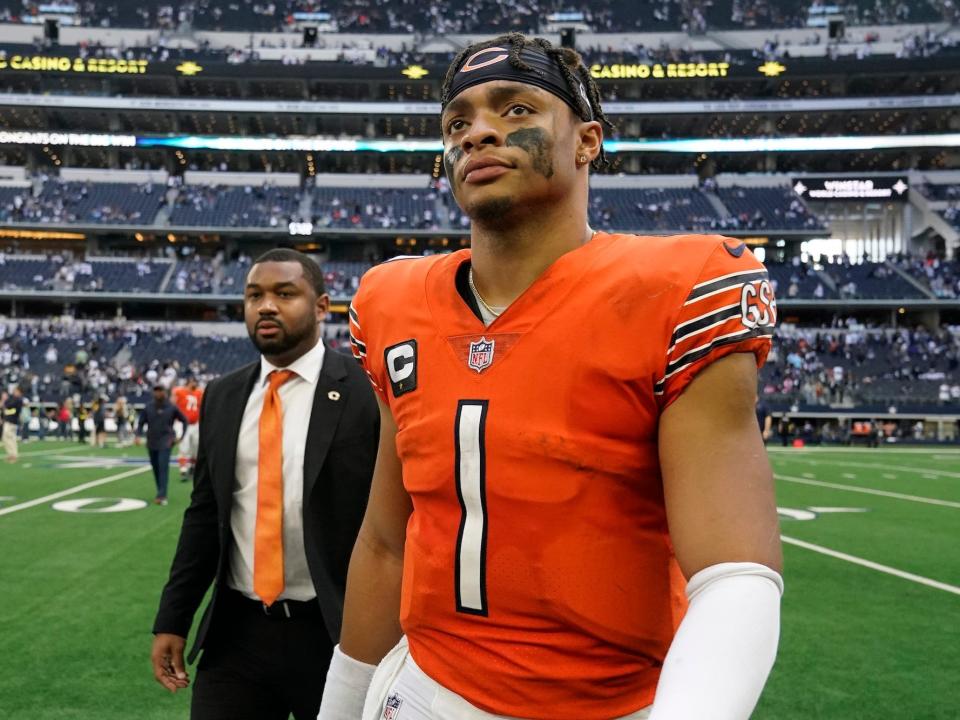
{"points": [[485, 16]]}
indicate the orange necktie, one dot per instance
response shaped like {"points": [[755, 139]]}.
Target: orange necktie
{"points": [[268, 536]]}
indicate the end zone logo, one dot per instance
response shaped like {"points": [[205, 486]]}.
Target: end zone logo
{"points": [[757, 305]]}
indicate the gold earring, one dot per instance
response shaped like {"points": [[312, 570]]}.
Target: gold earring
{"points": [[582, 159]]}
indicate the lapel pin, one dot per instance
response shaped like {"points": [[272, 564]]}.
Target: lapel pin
{"points": [[333, 395]]}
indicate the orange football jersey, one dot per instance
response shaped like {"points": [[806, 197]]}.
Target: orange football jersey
{"points": [[539, 580], [189, 402]]}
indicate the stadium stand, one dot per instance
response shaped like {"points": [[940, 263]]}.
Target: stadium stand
{"points": [[839, 367], [856, 366], [941, 192], [70, 202], [226, 206], [61, 272], [952, 216], [396, 16], [27, 272], [200, 275], [343, 278], [870, 280], [767, 208], [647, 209], [353, 207], [198, 226], [900, 278], [798, 280], [56, 361], [12, 200], [942, 277], [429, 207]]}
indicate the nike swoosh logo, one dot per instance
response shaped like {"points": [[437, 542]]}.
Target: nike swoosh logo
{"points": [[736, 251]]}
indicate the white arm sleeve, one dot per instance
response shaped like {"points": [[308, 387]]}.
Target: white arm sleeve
{"points": [[725, 646], [346, 687]]}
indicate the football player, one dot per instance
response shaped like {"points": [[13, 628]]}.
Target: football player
{"points": [[572, 515], [187, 398]]}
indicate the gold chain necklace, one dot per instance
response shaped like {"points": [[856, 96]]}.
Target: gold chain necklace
{"points": [[476, 293]]}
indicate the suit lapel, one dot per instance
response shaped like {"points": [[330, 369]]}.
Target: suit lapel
{"points": [[234, 405], [329, 400]]}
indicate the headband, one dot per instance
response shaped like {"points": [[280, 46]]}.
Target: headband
{"points": [[493, 63]]}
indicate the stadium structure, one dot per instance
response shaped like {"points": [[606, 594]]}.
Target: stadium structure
{"points": [[148, 151]]}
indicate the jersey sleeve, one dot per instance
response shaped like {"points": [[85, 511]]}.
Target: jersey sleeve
{"points": [[729, 308], [358, 341]]}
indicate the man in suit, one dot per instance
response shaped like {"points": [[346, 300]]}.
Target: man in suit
{"points": [[161, 436], [287, 448]]}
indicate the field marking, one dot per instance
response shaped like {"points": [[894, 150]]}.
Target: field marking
{"points": [[71, 491], [868, 491], [935, 474], [838, 510], [885, 449], [872, 565], [53, 451]]}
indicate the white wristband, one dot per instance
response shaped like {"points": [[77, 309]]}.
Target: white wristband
{"points": [[346, 687], [725, 646]]}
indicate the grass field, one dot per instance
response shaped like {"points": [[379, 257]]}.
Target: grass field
{"points": [[872, 633]]}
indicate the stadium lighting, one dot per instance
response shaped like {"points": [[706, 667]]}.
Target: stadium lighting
{"points": [[311, 144], [691, 145]]}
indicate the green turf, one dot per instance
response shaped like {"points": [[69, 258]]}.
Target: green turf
{"points": [[79, 590], [857, 643]]}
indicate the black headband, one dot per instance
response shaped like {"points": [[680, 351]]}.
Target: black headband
{"points": [[493, 64]]}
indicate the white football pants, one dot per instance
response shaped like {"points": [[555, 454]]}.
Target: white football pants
{"points": [[402, 691]]}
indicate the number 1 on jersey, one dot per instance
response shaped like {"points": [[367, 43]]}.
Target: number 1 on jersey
{"points": [[471, 471]]}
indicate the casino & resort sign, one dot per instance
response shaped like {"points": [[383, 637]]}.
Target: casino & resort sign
{"points": [[63, 64], [660, 71]]}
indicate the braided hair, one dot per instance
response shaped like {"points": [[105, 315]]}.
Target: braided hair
{"points": [[568, 61]]}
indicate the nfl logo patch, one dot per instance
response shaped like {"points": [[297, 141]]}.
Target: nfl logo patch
{"points": [[480, 356], [391, 709]]}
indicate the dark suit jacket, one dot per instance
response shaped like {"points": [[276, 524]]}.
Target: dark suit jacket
{"points": [[338, 465]]}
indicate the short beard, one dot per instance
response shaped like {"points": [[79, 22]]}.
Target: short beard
{"points": [[495, 213], [278, 346]]}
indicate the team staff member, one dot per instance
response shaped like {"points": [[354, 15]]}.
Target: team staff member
{"points": [[187, 398], [12, 405], [287, 447], [159, 417], [569, 442]]}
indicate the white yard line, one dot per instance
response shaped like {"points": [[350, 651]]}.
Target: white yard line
{"points": [[885, 449], [55, 451], [886, 466], [73, 490], [872, 565], [867, 491]]}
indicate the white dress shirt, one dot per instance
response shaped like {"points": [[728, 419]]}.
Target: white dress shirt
{"points": [[296, 399]]}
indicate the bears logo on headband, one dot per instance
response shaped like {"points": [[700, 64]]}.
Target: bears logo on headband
{"points": [[468, 66], [541, 70]]}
